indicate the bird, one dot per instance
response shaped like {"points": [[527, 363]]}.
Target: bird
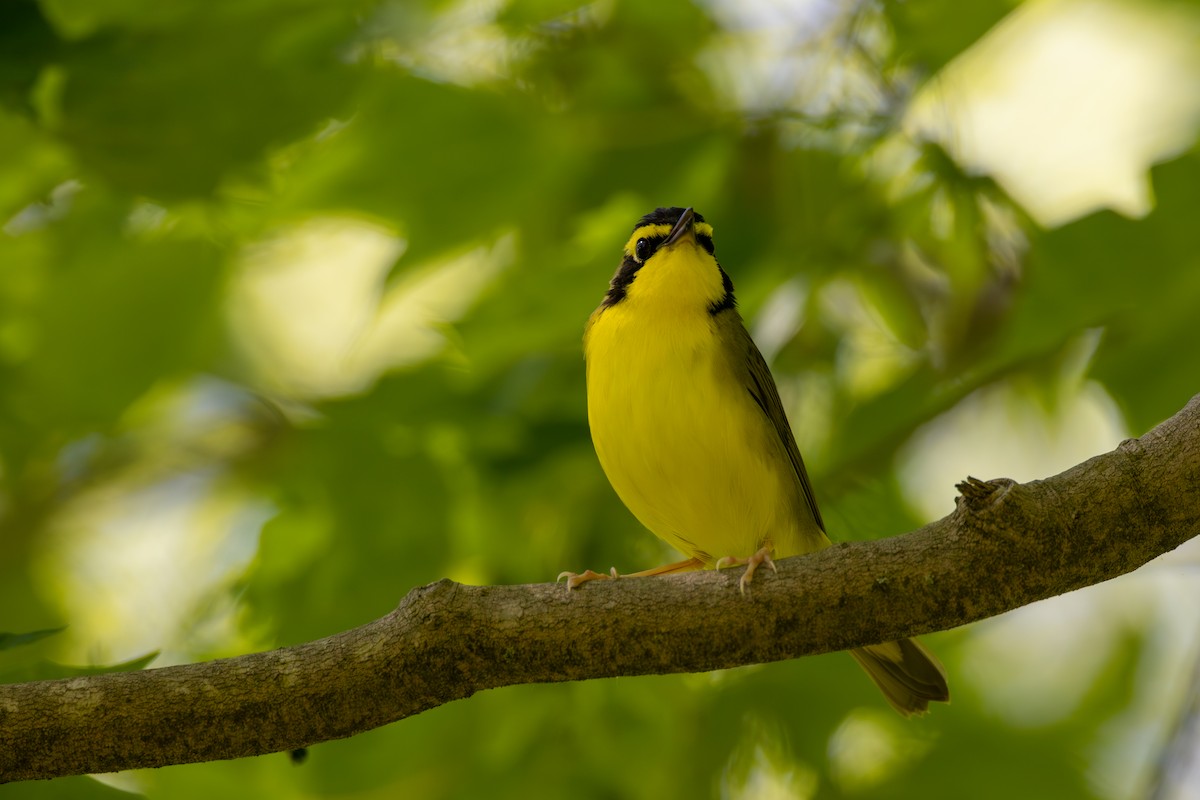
{"points": [[689, 428]]}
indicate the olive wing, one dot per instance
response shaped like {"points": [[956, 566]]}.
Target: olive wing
{"points": [[761, 386]]}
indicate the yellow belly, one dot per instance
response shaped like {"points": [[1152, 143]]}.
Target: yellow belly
{"points": [[684, 444]]}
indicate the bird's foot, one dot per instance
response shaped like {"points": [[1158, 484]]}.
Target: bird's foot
{"points": [[763, 556], [575, 579]]}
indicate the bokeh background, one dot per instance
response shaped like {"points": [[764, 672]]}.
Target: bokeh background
{"points": [[291, 297]]}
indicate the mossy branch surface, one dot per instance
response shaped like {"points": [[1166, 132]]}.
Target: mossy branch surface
{"points": [[1006, 545]]}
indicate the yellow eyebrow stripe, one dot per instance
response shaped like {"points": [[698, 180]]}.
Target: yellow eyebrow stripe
{"points": [[649, 231]]}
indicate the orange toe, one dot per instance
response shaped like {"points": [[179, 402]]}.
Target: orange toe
{"points": [[763, 556], [575, 579]]}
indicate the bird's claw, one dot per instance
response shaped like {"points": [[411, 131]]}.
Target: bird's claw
{"points": [[576, 579], [763, 556]]}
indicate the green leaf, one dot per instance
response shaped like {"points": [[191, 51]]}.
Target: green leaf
{"points": [[132, 665], [156, 115], [10, 640], [932, 32], [45, 670]]}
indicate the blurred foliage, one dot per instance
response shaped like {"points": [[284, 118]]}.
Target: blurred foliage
{"points": [[148, 151]]}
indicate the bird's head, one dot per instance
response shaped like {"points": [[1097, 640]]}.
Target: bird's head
{"points": [[669, 261]]}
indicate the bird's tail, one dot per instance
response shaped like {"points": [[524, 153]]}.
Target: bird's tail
{"points": [[909, 676]]}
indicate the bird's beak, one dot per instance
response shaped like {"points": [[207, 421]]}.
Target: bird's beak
{"points": [[682, 228]]}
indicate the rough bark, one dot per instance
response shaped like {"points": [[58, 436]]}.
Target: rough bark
{"points": [[1005, 546]]}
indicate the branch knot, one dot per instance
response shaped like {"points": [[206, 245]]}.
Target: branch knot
{"points": [[973, 493]]}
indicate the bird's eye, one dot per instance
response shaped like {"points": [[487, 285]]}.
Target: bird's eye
{"points": [[642, 249], [707, 243]]}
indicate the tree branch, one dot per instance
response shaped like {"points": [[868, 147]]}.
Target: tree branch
{"points": [[1005, 546]]}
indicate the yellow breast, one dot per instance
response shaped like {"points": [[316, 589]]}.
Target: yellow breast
{"points": [[681, 439]]}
